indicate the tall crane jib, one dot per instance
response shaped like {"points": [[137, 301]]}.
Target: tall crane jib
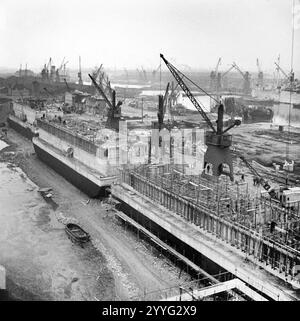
{"points": [[215, 79], [114, 109], [80, 82], [264, 183], [247, 79], [218, 158], [260, 76]]}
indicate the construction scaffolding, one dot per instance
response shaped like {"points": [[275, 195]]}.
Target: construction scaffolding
{"points": [[239, 213], [241, 202]]}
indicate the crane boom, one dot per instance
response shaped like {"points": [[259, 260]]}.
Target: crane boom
{"points": [[80, 82], [283, 72], [227, 71], [97, 73], [184, 87], [238, 69], [258, 65], [265, 184], [68, 88], [49, 63], [217, 67], [101, 92], [166, 95], [62, 64]]}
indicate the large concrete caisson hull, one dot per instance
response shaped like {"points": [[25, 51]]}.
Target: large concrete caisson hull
{"points": [[80, 181], [20, 127]]}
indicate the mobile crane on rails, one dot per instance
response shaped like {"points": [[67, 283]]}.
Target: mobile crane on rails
{"points": [[218, 156]]}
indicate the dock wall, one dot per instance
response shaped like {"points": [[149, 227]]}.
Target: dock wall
{"points": [[273, 257]]}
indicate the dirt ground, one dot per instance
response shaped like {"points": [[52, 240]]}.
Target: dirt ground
{"points": [[120, 267], [264, 143]]}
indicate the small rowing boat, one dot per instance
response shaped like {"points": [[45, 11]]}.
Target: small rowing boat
{"points": [[76, 233]]}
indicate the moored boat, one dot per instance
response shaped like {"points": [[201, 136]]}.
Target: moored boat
{"points": [[76, 233]]}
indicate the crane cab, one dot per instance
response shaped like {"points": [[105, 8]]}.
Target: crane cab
{"points": [[218, 156]]}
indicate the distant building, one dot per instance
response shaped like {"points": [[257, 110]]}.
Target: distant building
{"points": [[77, 99], [24, 73]]}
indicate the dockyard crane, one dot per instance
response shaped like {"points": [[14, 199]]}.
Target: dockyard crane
{"points": [[227, 71], [238, 69], [277, 77], [62, 64], [290, 78], [224, 74], [154, 72], [218, 156], [61, 70], [103, 81], [46, 70], [68, 88], [101, 91], [173, 96], [282, 71], [49, 64], [114, 109], [217, 66], [276, 196], [246, 77], [215, 79], [264, 183], [258, 65], [106, 82], [80, 82], [96, 73], [162, 103], [165, 104], [260, 75], [64, 67], [144, 73]]}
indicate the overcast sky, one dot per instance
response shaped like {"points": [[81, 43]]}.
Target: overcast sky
{"points": [[132, 33]]}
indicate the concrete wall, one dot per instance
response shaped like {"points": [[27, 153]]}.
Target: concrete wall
{"points": [[90, 160], [5, 110], [277, 258], [30, 113], [204, 240]]}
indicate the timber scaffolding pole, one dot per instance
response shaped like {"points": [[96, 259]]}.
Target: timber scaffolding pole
{"points": [[203, 276], [238, 202], [243, 224]]}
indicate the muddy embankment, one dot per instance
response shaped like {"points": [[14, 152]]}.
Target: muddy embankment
{"points": [[41, 262], [267, 145], [118, 266]]}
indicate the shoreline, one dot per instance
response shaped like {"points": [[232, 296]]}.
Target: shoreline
{"points": [[133, 265]]}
